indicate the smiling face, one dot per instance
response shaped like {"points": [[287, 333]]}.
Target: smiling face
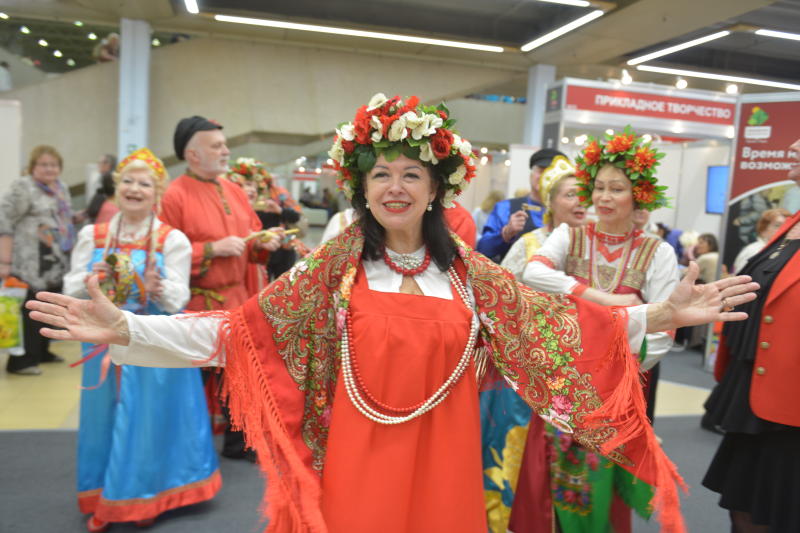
{"points": [[565, 203], [794, 172], [136, 193], [398, 193], [613, 197]]}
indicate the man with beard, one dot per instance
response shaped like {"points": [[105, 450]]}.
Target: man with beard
{"points": [[216, 216]]}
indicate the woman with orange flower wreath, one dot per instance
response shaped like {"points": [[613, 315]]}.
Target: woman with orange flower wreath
{"points": [[610, 263]]}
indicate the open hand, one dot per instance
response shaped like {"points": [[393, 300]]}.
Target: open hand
{"points": [[692, 305], [97, 320]]}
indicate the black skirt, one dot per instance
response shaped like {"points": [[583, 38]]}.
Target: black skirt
{"points": [[760, 474]]}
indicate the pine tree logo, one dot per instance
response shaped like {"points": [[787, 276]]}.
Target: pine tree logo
{"points": [[757, 117]]}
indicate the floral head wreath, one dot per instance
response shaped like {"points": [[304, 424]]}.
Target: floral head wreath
{"points": [[392, 127], [147, 157], [247, 169], [628, 153], [559, 168]]}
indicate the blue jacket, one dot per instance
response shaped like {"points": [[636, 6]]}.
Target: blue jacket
{"points": [[491, 243]]}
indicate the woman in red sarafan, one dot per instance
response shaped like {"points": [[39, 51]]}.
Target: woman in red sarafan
{"points": [[355, 375]]}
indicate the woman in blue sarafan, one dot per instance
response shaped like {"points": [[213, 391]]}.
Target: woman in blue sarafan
{"points": [[144, 441]]}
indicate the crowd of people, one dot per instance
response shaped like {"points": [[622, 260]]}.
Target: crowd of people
{"points": [[413, 345]]}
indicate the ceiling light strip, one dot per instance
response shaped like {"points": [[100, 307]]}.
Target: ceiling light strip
{"points": [[677, 47], [355, 33], [720, 77], [577, 3], [779, 34], [536, 43]]}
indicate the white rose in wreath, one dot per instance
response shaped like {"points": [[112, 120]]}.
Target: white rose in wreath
{"points": [[376, 101]]}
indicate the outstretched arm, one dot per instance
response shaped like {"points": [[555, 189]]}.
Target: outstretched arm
{"points": [[156, 340]]}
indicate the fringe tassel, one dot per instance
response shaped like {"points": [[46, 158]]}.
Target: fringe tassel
{"points": [[292, 499], [626, 406]]}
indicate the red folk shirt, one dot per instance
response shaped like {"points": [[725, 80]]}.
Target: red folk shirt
{"points": [[206, 212]]}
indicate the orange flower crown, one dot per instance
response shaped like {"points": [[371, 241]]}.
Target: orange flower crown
{"points": [[148, 157], [250, 169], [630, 154], [392, 127]]}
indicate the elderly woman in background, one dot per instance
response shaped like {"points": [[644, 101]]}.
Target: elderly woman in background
{"points": [[558, 187], [36, 236], [706, 253], [355, 375], [144, 440], [771, 220], [611, 263], [756, 469]]}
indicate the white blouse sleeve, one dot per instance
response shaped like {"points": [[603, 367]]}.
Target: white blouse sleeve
{"points": [[176, 341], [79, 263], [553, 280], [516, 259], [177, 267], [661, 279]]}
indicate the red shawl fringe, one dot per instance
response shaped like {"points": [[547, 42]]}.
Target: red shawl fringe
{"points": [[626, 407], [291, 501]]}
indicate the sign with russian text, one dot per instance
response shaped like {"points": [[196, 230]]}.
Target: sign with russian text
{"points": [[650, 105], [766, 129]]}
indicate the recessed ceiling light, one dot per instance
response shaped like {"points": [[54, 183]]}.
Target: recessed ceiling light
{"points": [[720, 77], [564, 140], [3, 16], [155, 42], [732, 88], [92, 36], [42, 42], [191, 6], [779, 34], [57, 53], [681, 83], [626, 78], [78, 23], [555, 34], [356, 33], [677, 47], [24, 29], [71, 62]]}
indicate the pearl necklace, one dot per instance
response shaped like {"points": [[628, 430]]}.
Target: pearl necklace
{"points": [[352, 378]]}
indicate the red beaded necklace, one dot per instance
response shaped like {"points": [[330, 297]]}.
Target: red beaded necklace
{"points": [[408, 271]]}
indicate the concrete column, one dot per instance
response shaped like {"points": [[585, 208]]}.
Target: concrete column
{"points": [[134, 85], [539, 77]]}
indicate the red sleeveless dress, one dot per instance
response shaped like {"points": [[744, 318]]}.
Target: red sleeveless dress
{"points": [[425, 474]]}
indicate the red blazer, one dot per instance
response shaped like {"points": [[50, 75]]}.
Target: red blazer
{"points": [[776, 372]]}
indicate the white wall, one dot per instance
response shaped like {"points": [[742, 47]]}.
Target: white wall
{"points": [[10, 142]]}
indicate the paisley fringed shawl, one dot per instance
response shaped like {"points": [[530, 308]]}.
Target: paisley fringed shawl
{"points": [[568, 358]]}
